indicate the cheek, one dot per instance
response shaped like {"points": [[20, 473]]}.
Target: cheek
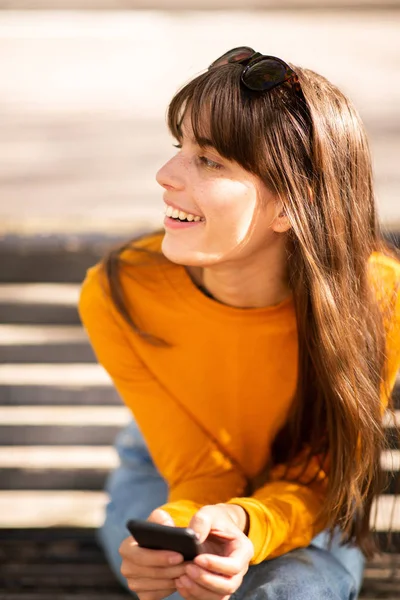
{"points": [[233, 200]]}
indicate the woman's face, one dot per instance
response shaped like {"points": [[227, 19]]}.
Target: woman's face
{"points": [[239, 210]]}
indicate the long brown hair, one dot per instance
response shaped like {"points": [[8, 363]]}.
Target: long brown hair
{"points": [[314, 155]]}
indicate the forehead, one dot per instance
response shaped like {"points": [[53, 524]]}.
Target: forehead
{"points": [[200, 132]]}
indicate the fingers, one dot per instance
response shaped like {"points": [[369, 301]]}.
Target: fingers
{"points": [[132, 571], [227, 566], [201, 522], [237, 562], [144, 557], [149, 585], [203, 583], [161, 517], [154, 595]]}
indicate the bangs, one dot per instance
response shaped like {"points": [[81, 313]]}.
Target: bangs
{"points": [[235, 120]]}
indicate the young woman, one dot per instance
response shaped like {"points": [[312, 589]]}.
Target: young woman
{"points": [[256, 340]]}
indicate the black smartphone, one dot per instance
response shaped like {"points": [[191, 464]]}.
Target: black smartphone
{"points": [[163, 537]]}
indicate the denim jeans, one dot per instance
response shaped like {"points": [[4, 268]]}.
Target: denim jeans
{"points": [[136, 488]]}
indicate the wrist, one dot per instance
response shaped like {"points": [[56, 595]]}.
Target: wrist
{"points": [[239, 516]]}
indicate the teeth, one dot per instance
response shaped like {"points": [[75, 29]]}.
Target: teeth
{"points": [[175, 214]]}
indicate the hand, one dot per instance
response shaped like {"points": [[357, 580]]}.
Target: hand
{"points": [[219, 572], [149, 572]]}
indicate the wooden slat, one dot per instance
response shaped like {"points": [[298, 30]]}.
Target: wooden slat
{"points": [[50, 294], [31, 258], [83, 415], [44, 343], [84, 509], [33, 560], [81, 478], [90, 435], [60, 435], [54, 479], [85, 479], [51, 509], [38, 313], [43, 374], [71, 383], [86, 467], [62, 394], [58, 457], [56, 468], [54, 353], [22, 335], [40, 576], [39, 303], [64, 415]]}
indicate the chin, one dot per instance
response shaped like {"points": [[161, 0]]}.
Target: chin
{"points": [[172, 251]]}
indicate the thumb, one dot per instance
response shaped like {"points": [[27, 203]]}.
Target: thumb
{"points": [[161, 517], [201, 524]]}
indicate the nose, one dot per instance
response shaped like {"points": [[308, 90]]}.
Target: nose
{"points": [[169, 177]]}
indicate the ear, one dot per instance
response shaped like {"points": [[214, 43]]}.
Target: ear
{"points": [[281, 222]]}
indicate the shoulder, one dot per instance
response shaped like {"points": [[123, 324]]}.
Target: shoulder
{"points": [[387, 266], [143, 249], [384, 273], [94, 297], [137, 269]]}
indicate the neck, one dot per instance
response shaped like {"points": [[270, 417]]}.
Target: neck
{"points": [[243, 285]]}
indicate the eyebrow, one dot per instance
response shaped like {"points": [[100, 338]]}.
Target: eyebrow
{"points": [[203, 142]]}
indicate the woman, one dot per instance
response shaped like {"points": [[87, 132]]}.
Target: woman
{"points": [[256, 341]]}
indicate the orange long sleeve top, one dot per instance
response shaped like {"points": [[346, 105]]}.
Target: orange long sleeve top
{"points": [[210, 406]]}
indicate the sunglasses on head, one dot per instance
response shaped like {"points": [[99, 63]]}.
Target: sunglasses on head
{"points": [[261, 73]]}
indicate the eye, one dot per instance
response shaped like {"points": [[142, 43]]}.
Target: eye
{"points": [[209, 163], [203, 160]]}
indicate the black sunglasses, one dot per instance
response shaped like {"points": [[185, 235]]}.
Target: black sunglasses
{"points": [[261, 73]]}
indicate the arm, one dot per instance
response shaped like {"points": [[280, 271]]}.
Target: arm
{"points": [[195, 469], [281, 515]]}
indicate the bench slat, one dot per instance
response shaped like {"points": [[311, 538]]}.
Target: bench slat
{"points": [[70, 565]]}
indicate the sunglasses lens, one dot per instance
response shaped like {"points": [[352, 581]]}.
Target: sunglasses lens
{"points": [[265, 75], [235, 55]]}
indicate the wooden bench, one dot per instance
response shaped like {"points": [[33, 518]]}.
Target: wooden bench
{"points": [[59, 415]]}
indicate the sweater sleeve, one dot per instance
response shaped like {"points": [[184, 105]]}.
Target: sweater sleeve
{"points": [[196, 470], [282, 514]]}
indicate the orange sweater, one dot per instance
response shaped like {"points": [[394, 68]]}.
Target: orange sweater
{"points": [[210, 406]]}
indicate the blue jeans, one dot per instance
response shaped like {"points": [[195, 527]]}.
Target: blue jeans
{"points": [[313, 573]]}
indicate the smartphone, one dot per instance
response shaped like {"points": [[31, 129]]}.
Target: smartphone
{"points": [[164, 537]]}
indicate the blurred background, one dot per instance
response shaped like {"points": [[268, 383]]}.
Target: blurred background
{"points": [[84, 87], [83, 96]]}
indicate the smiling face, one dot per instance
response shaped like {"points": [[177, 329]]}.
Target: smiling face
{"points": [[241, 214]]}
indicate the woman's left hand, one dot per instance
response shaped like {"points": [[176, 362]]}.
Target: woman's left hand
{"points": [[219, 571]]}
